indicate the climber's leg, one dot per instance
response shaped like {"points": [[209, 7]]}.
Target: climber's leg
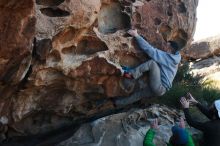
{"points": [[154, 76], [155, 79], [138, 71]]}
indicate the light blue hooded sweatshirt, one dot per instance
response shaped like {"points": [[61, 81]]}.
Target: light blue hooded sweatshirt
{"points": [[167, 62]]}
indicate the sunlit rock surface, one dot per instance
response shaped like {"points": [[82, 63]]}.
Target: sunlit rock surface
{"points": [[205, 61], [208, 71], [60, 59], [127, 129], [203, 49]]}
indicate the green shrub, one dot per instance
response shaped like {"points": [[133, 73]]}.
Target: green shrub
{"points": [[185, 82]]}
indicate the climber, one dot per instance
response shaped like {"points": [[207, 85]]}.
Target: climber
{"points": [[180, 136], [211, 128], [162, 67]]}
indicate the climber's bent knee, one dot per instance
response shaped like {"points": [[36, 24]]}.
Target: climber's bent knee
{"points": [[161, 90], [153, 63]]}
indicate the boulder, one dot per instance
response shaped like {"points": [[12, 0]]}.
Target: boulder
{"points": [[17, 31], [62, 58], [203, 49], [208, 70], [127, 129]]}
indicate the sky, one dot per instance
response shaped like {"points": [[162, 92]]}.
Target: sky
{"points": [[208, 19]]}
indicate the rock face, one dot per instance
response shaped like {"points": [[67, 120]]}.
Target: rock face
{"points": [[17, 32], [208, 70], [126, 129], [72, 71], [207, 65], [203, 49]]}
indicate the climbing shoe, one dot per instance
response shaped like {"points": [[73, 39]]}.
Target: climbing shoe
{"points": [[127, 73]]}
